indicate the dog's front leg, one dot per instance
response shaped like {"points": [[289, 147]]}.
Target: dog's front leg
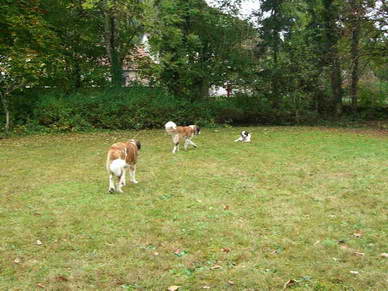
{"points": [[123, 178], [132, 173], [187, 141], [192, 143]]}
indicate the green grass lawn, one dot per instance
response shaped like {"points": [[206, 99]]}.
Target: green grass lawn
{"points": [[301, 204]]}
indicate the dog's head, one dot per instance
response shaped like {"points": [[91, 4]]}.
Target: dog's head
{"points": [[244, 133], [196, 129], [136, 142]]}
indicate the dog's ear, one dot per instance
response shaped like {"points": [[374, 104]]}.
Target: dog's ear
{"points": [[138, 145]]}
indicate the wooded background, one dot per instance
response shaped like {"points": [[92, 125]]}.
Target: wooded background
{"points": [[63, 62]]}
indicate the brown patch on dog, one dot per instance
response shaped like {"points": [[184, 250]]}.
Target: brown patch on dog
{"points": [[185, 131], [127, 151]]}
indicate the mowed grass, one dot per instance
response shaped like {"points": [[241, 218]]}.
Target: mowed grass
{"points": [[302, 204]]}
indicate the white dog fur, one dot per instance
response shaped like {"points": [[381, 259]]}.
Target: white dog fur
{"points": [[245, 136], [121, 156]]}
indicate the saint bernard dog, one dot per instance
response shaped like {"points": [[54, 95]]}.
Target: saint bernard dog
{"points": [[122, 155], [181, 132], [245, 136]]}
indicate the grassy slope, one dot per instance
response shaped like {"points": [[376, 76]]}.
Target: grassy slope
{"points": [[280, 204]]}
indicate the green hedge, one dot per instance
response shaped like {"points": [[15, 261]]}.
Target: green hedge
{"points": [[133, 108], [140, 107]]}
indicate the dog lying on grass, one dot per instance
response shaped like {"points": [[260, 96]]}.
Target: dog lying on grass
{"points": [[122, 155], [181, 132], [245, 136]]}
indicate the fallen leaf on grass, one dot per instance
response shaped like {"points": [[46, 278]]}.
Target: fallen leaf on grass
{"points": [[40, 285], [180, 253], [230, 282], [62, 278], [317, 242], [38, 242], [17, 261], [215, 267], [357, 234], [289, 283], [205, 287], [226, 250], [173, 288], [226, 207], [359, 254], [354, 272], [384, 255]]}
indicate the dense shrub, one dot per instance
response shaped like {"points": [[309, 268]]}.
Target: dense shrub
{"points": [[133, 108], [139, 108]]}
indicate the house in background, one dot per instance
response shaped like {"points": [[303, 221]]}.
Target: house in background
{"points": [[131, 63]]}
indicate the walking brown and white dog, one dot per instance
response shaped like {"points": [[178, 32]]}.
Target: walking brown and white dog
{"points": [[122, 155], [181, 132]]}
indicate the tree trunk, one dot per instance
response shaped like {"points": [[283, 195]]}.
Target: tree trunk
{"points": [[356, 30], [4, 101], [77, 75], [332, 36], [204, 90], [112, 49], [336, 83]]}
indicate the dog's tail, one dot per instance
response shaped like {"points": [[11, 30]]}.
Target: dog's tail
{"points": [[116, 167], [170, 127]]}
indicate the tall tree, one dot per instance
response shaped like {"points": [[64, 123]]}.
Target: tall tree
{"points": [[79, 48], [274, 23], [198, 46], [26, 43], [330, 16], [122, 30]]}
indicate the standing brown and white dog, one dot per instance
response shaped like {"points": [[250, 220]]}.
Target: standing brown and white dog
{"points": [[181, 132], [120, 156]]}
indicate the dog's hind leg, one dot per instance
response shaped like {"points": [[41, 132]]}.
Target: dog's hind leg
{"points": [[176, 148], [175, 140], [121, 182], [111, 184]]}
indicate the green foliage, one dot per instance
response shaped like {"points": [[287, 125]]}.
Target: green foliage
{"points": [[198, 46], [133, 108], [142, 107], [298, 54], [372, 95]]}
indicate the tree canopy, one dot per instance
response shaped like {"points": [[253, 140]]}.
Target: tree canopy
{"points": [[315, 55]]}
